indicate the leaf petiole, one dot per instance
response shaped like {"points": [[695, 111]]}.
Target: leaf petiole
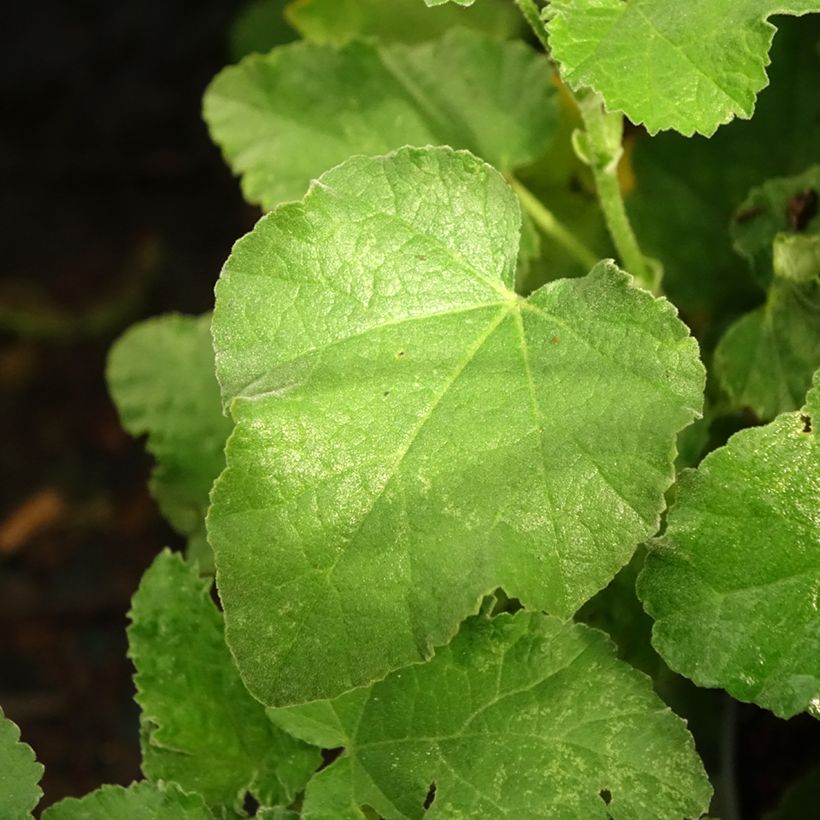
{"points": [[551, 226], [600, 146]]}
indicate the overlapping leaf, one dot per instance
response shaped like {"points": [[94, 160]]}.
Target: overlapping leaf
{"points": [[689, 190], [521, 716], [766, 359], [20, 773], [685, 66], [733, 585], [201, 728], [401, 21], [140, 801], [412, 434], [161, 376], [284, 118]]}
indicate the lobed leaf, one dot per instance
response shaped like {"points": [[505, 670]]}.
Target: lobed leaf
{"points": [[521, 716], [140, 801], [161, 377], [201, 728], [689, 67], [733, 584], [20, 773], [283, 119], [401, 21], [412, 434]]}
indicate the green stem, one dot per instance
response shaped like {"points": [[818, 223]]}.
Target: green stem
{"points": [[532, 15], [551, 226], [601, 143]]}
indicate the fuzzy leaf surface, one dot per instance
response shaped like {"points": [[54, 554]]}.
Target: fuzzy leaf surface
{"points": [[400, 21], [161, 377], [733, 585], [520, 716], [140, 801], [689, 66], [412, 434], [20, 773], [201, 728], [284, 118]]}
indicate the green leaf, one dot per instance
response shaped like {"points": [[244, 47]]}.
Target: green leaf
{"points": [[521, 716], [161, 377], [400, 21], [432, 3], [411, 434], [733, 584], [140, 801], [688, 190], [201, 727], [766, 359], [284, 118], [20, 773], [258, 27], [689, 67], [786, 206]]}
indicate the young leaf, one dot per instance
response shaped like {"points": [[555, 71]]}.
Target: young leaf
{"points": [[733, 584], [766, 359], [201, 727], [284, 118], [520, 716], [399, 21], [411, 434], [140, 801], [161, 377], [20, 773], [690, 67]]}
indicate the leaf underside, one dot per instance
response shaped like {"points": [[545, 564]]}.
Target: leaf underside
{"points": [[688, 66], [411, 434], [733, 585], [520, 716]]}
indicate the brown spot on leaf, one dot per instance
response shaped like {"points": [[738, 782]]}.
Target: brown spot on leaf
{"points": [[802, 208], [748, 214]]}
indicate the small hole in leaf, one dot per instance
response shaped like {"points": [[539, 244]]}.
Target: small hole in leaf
{"points": [[250, 805], [431, 796], [806, 423], [328, 756], [605, 795], [400, 354]]}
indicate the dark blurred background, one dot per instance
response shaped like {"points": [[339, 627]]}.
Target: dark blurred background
{"points": [[115, 207]]}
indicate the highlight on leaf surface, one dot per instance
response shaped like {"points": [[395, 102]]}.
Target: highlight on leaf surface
{"points": [[200, 727], [20, 773], [765, 360], [412, 434], [284, 118], [161, 377], [399, 21], [140, 801], [733, 583], [520, 716], [688, 66]]}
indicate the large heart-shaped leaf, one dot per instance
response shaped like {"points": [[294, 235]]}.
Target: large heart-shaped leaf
{"points": [[411, 433]]}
